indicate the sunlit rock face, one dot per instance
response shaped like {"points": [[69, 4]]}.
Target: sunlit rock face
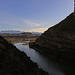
{"points": [[58, 41], [15, 62]]}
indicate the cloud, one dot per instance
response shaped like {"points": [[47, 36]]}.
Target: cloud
{"points": [[30, 23], [38, 30], [8, 21]]}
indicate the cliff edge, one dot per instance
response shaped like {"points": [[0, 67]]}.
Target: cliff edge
{"points": [[58, 42], [15, 62]]}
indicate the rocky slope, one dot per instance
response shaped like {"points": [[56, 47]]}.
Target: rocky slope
{"points": [[15, 62], [58, 42]]}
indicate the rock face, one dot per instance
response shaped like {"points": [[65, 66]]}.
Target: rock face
{"points": [[15, 62], [58, 41]]}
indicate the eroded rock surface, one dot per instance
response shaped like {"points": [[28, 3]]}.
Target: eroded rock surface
{"points": [[58, 42], [15, 62]]}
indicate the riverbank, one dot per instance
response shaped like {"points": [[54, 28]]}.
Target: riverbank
{"points": [[16, 62], [58, 41], [19, 37], [47, 64]]}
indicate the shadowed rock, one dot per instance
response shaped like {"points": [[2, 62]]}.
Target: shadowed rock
{"points": [[15, 62], [58, 42]]}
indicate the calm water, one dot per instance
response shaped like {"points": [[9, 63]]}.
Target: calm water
{"points": [[53, 68]]}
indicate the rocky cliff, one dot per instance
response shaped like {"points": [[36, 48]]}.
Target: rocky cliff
{"points": [[58, 42], [15, 62]]}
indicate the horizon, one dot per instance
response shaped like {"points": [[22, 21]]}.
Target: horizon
{"points": [[33, 16], [5, 31]]}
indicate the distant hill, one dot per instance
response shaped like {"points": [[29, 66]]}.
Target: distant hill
{"points": [[16, 62], [39, 33], [58, 42], [18, 32], [11, 31], [19, 37]]}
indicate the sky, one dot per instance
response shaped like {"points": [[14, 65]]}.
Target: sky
{"points": [[33, 15]]}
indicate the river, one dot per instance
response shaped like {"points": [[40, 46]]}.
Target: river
{"points": [[50, 66]]}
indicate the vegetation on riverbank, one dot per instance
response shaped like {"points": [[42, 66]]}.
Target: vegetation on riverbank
{"points": [[20, 37]]}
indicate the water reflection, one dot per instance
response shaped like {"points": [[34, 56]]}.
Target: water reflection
{"points": [[46, 64], [52, 67]]}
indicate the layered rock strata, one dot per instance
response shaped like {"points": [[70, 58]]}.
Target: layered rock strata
{"points": [[58, 42]]}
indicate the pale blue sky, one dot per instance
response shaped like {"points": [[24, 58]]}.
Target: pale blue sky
{"points": [[33, 15]]}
